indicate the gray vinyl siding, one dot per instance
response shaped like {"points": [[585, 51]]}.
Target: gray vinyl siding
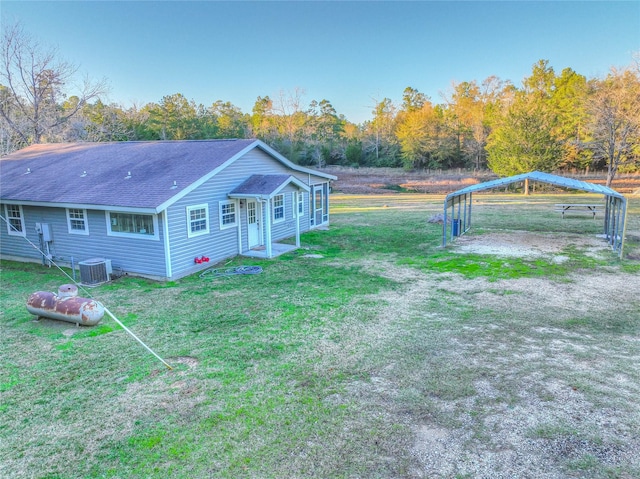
{"points": [[221, 244], [287, 227], [141, 256], [148, 257], [17, 246], [136, 255], [257, 162]]}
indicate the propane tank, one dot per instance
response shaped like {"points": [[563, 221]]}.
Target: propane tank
{"points": [[66, 306]]}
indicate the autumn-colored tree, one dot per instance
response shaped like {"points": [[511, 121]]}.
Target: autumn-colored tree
{"points": [[470, 110], [229, 119], [419, 134], [262, 120], [614, 126]]}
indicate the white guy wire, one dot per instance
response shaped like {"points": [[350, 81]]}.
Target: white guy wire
{"points": [[88, 294]]}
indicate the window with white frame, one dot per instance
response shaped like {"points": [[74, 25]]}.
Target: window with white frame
{"points": [[300, 195], [227, 214], [77, 221], [15, 220], [132, 225], [278, 208], [198, 220]]}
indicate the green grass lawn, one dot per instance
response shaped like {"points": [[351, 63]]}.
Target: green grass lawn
{"points": [[387, 356]]}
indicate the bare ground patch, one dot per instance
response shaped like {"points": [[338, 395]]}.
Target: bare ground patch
{"points": [[540, 381], [525, 244]]}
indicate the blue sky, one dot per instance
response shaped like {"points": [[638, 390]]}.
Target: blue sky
{"points": [[350, 53]]}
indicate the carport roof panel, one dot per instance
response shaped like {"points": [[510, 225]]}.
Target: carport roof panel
{"points": [[542, 177]]}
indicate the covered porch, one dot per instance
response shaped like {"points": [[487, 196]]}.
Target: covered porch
{"points": [[277, 249], [258, 193]]}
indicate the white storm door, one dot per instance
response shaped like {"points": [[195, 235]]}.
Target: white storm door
{"points": [[318, 203], [253, 224]]}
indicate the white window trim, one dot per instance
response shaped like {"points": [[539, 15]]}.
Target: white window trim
{"points": [[85, 231], [273, 208], [155, 236], [235, 214], [10, 230], [190, 232]]}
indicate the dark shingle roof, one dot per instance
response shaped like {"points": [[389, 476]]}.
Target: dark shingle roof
{"points": [[262, 185], [94, 173]]}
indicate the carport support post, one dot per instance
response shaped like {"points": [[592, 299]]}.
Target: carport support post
{"points": [[624, 227], [613, 228], [463, 226], [619, 225], [607, 214], [453, 217], [444, 225]]}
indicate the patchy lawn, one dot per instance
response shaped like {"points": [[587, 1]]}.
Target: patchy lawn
{"points": [[371, 352]]}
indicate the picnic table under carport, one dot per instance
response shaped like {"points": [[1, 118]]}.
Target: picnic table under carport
{"points": [[615, 205]]}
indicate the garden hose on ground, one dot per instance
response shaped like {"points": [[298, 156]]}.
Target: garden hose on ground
{"points": [[226, 272]]}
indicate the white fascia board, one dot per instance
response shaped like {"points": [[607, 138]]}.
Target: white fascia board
{"points": [[84, 206], [247, 195], [289, 163], [300, 184], [205, 178], [233, 159], [292, 179]]}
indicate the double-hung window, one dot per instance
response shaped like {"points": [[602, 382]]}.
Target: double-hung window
{"points": [[278, 208], [300, 196], [228, 215], [77, 221], [15, 220], [198, 220]]}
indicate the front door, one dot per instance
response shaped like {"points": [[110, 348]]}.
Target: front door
{"points": [[253, 224]]}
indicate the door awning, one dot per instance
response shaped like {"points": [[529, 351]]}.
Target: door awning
{"points": [[265, 187]]}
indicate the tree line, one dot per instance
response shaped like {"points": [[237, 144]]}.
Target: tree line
{"points": [[552, 121]]}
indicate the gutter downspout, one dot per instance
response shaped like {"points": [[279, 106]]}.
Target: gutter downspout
{"points": [[240, 227], [167, 245]]}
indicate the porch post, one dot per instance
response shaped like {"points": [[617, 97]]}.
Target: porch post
{"points": [[268, 227], [239, 219], [295, 208]]}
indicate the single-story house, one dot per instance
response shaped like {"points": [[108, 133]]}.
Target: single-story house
{"points": [[157, 209]]}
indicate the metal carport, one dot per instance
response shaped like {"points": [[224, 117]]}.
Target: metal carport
{"points": [[460, 203]]}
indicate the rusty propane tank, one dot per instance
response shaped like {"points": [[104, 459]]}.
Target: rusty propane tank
{"points": [[66, 306]]}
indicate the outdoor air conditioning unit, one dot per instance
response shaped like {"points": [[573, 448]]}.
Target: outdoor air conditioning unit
{"points": [[95, 271]]}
